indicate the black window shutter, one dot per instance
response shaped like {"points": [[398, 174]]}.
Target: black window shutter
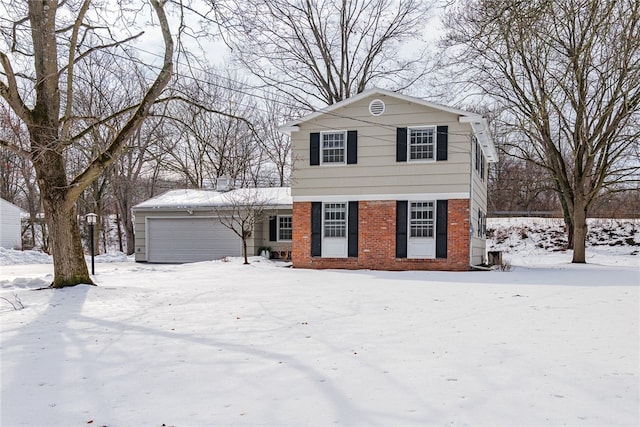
{"points": [[316, 228], [442, 141], [401, 144], [442, 206], [401, 229], [273, 228], [314, 149], [352, 250], [352, 147]]}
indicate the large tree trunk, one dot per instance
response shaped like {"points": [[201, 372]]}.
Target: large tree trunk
{"points": [[60, 213], [579, 232], [69, 264]]}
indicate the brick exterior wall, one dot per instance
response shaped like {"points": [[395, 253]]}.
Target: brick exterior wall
{"points": [[377, 240]]}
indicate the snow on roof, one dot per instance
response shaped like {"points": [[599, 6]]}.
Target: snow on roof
{"points": [[273, 196], [184, 198]]}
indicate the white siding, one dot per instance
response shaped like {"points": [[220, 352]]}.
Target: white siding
{"points": [[10, 231]]}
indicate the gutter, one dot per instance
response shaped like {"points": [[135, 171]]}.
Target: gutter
{"points": [[479, 267]]}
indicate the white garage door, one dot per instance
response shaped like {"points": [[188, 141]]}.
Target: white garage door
{"points": [[190, 240]]}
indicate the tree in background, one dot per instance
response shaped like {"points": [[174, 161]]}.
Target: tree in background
{"points": [[324, 51], [567, 75], [275, 145], [43, 43], [240, 211]]}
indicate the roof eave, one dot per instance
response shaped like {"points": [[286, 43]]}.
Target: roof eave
{"points": [[292, 126], [480, 129]]}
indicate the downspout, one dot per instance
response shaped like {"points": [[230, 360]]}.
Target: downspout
{"points": [[471, 139], [471, 210], [479, 130]]}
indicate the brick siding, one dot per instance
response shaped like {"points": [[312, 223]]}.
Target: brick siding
{"points": [[377, 240]]}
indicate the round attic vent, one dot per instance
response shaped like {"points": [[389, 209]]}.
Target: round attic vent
{"points": [[376, 107]]}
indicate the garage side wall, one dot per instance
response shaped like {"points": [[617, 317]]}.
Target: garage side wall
{"points": [[140, 236]]}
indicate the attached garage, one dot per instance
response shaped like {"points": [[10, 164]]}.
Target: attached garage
{"points": [[184, 226], [189, 239]]}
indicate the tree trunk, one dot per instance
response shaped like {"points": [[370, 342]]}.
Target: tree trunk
{"points": [[119, 227], [566, 214], [244, 251], [65, 244], [579, 232], [69, 265], [127, 222]]}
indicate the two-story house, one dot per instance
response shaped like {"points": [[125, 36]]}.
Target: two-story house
{"points": [[387, 181]]}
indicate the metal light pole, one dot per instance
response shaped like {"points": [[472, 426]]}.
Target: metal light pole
{"points": [[91, 220]]}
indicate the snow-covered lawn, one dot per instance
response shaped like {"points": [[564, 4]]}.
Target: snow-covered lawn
{"points": [[220, 343]]}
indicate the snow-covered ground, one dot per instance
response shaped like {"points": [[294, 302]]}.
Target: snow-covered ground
{"points": [[220, 343]]}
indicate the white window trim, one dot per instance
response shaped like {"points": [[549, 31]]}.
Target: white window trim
{"points": [[337, 241], [414, 241], [278, 228], [435, 143], [344, 157]]}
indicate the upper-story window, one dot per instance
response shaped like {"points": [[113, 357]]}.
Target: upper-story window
{"points": [[422, 143], [333, 147]]}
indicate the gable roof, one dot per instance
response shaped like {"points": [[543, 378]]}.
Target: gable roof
{"points": [[203, 199], [478, 123], [10, 206]]}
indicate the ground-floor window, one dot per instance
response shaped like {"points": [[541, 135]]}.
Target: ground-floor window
{"points": [[482, 224], [421, 222], [335, 219], [421, 242], [334, 227], [285, 228]]}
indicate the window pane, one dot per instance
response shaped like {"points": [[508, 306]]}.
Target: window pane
{"points": [[285, 229], [421, 143], [421, 219], [333, 147], [335, 219]]}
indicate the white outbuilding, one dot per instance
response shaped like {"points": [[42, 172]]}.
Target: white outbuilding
{"points": [[10, 230]]}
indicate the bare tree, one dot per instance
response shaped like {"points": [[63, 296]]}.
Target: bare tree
{"points": [[241, 210], [212, 142], [126, 178], [10, 163], [324, 51], [43, 43], [274, 144], [567, 73]]}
